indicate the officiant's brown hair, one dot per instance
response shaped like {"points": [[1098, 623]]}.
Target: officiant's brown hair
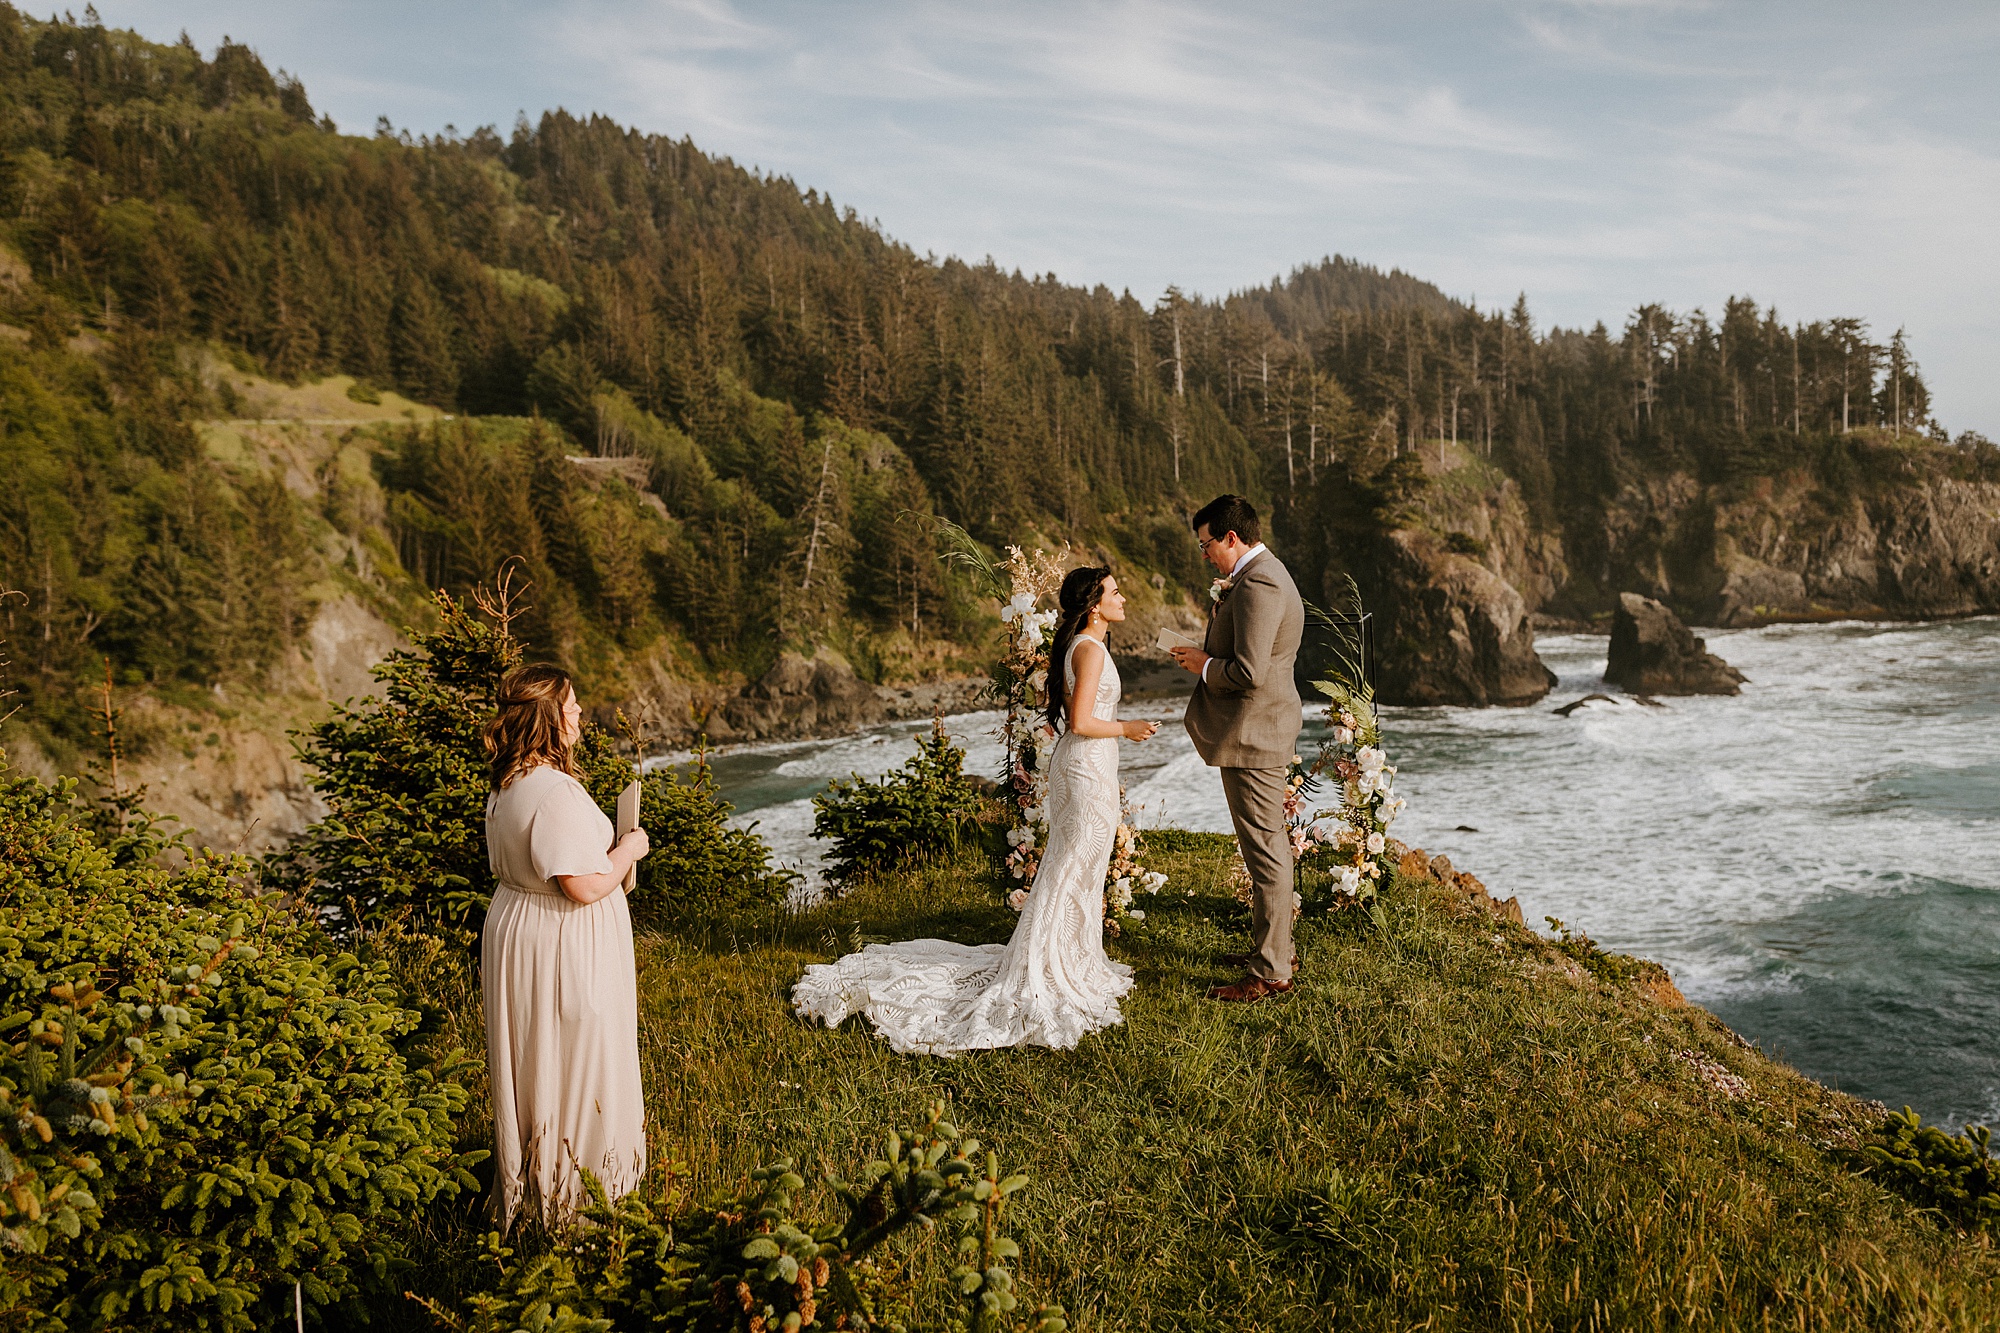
{"points": [[527, 731]]}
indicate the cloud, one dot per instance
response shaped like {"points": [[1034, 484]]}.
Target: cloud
{"points": [[1835, 158]]}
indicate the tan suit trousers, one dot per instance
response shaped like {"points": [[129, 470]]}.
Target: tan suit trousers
{"points": [[1256, 799]]}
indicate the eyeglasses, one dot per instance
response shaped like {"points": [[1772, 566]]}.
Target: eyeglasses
{"points": [[1205, 542]]}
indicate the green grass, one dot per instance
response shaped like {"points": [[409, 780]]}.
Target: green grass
{"points": [[1456, 1126]]}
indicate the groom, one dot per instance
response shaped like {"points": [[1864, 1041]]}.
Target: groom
{"points": [[1244, 719]]}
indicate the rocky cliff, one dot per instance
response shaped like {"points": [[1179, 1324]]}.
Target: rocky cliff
{"points": [[1911, 529], [1452, 583], [1449, 629], [1913, 534]]}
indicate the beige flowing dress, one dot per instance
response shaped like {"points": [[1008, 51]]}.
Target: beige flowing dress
{"points": [[561, 1002]]}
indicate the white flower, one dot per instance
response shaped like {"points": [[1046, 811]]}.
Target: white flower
{"points": [[1018, 898], [1350, 880], [1020, 871], [1154, 881], [1343, 736], [1039, 679], [1390, 809], [1019, 605], [1136, 914], [1376, 842], [1365, 784], [1370, 758], [1020, 837]]}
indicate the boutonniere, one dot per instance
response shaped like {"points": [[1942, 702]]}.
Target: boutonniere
{"points": [[1219, 587]]}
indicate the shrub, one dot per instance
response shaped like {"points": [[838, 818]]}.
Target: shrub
{"points": [[917, 810], [1952, 1173], [697, 859], [404, 781], [200, 1102], [748, 1264]]}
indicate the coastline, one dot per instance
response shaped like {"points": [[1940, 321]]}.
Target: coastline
{"points": [[1792, 855]]}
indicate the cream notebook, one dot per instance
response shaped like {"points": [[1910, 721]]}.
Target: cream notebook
{"points": [[628, 819]]}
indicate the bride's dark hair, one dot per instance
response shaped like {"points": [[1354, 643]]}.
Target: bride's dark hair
{"points": [[1081, 590]]}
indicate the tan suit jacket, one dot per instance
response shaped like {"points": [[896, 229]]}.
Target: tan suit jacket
{"points": [[1245, 712]]}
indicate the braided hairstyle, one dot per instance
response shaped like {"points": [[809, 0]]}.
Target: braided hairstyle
{"points": [[1081, 590]]}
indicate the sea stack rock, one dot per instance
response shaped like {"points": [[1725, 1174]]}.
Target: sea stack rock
{"points": [[1449, 630], [1653, 653]]}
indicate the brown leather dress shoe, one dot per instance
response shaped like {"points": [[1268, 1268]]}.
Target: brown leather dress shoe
{"points": [[1249, 990]]}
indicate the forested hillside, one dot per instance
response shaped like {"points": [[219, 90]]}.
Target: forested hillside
{"points": [[794, 392]]}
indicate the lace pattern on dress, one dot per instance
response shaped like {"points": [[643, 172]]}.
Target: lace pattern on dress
{"points": [[1050, 984]]}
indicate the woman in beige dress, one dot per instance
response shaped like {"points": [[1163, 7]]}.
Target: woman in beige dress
{"points": [[556, 975]]}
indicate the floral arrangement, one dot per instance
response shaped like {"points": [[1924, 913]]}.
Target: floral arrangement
{"points": [[1126, 875], [1356, 840], [1029, 582], [1353, 755], [1301, 821], [1022, 673]]}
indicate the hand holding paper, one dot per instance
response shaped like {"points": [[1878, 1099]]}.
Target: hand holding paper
{"points": [[1172, 639]]}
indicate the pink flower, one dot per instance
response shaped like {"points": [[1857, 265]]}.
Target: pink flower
{"points": [[1017, 899]]}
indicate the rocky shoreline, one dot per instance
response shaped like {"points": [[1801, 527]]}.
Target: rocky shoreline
{"points": [[1463, 584], [802, 698]]}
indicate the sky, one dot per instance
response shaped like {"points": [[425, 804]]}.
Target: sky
{"points": [[1830, 158]]}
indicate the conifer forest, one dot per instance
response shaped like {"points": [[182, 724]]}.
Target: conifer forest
{"points": [[769, 385]]}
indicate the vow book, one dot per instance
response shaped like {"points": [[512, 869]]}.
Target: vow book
{"points": [[1172, 639], [628, 819]]}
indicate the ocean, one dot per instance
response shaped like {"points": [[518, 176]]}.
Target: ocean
{"points": [[1817, 860]]}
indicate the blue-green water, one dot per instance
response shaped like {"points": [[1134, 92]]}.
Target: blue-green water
{"points": [[1816, 860]]}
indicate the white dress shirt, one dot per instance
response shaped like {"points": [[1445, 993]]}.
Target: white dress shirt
{"points": [[1234, 570]]}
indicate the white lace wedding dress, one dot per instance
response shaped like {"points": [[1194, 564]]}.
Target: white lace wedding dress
{"points": [[1047, 986]]}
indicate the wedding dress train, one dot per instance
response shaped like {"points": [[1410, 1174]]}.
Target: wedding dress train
{"points": [[1048, 985]]}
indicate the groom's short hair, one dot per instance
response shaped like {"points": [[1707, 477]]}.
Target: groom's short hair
{"points": [[1228, 513]]}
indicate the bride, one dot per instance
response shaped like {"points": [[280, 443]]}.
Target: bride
{"points": [[1051, 983]]}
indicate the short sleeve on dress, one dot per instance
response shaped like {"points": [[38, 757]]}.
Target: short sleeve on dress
{"points": [[568, 834]]}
